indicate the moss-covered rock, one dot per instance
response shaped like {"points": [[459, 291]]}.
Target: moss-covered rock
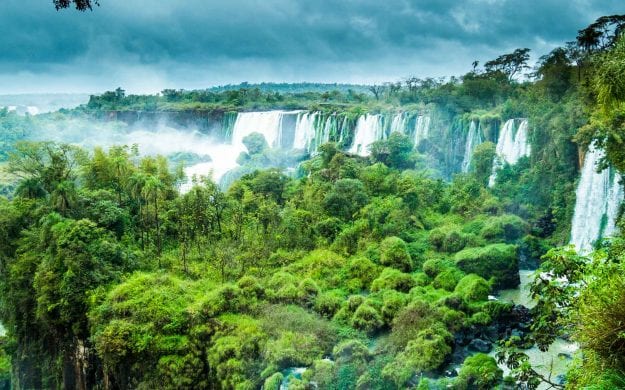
{"points": [[498, 261], [473, 288]]}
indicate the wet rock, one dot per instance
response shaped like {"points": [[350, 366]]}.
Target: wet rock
{"points": [[565, 356], [480, 345]]}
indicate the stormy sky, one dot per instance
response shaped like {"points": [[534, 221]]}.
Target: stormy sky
{"points": [[148, 45]]}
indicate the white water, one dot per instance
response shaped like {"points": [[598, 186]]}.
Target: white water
{"points": [[399, 123], [268, 123], [368, 130], [422, 129], [511, 146], [224, 156], [597, 200], [305, 131], [474, 138]]}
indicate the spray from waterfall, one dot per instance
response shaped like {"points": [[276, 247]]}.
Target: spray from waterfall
{"points": [[597, 200]]}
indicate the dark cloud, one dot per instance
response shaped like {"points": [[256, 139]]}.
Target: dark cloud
{"points": [[147, 45]]}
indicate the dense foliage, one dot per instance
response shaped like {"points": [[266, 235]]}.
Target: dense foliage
{"points": [[370, 272]]}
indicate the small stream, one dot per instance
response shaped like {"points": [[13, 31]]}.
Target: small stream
{"points": [[557, 359]]}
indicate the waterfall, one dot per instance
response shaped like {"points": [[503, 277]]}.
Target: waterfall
{"points": [[422, 129], [398, 124], [268, 123], [224, 156], [597, 200], [511, 146], [305, 130], [474, 138], [368, 130], [312, 131]]}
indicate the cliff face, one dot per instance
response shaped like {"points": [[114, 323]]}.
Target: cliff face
{"points": [[209, 122]]}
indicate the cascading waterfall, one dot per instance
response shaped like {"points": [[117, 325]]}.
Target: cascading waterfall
{"points": [[305, 130], [268, 123], [368, 130], [511, 146], [224, 156], [474, 138], [422, 129], [312, 131], [399, 122], [597, 200]]}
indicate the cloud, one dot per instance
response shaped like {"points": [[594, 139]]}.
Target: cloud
{"points": [[146, 45]]}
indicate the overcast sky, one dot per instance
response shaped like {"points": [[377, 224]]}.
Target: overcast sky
{"points": [[148, 45]]}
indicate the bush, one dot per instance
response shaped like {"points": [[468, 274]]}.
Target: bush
{"points": [[329, 228], [448, 279], [428, 351], [293, 349], [448, 239], [250, 287], [479, 371], [362, 269], [367, 319], [345, 198], [351, 351], [418, 315], [473, 288], [508, 228], [433, 267], [392, 279], [499, 261], [346, 312], [394, 253], [328, 303], [392, 303], [273, 382]]}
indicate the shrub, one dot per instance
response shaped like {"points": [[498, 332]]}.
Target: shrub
{"points": [[392, 303], [394, 253], [479, 371], [250, 287], [394, 280], [350, 351], [345, 313], [448, 279], [329, 228], [328, 303], [448, 238], [499, 261], [507, 227], [367, 319], [363, 269], [433, 267], [427, 351], [322, 266], [410, 320], [293, 349], [473, 288], [273, 382]]}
